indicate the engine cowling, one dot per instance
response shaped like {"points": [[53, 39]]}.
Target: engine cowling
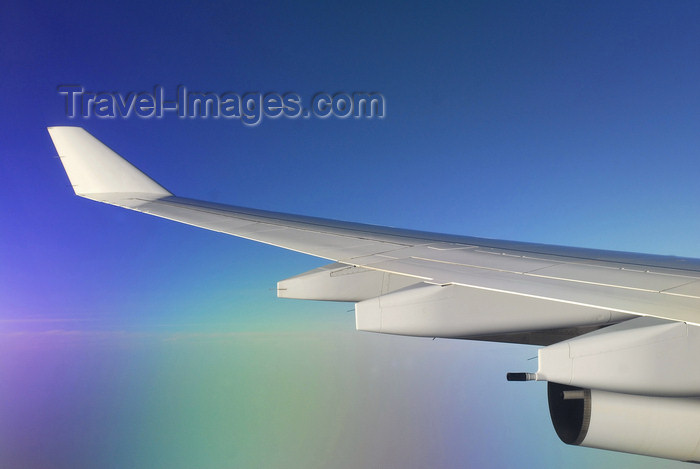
{"points": [[665, 427]]}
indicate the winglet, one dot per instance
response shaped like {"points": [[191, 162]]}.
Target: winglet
{"points": [[93, 168]]}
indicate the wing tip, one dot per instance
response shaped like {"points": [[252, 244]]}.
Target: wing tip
{"points": [[94, 168]]}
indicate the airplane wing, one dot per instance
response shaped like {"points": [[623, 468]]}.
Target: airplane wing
{"points": [[610, 283], [614, 323]]}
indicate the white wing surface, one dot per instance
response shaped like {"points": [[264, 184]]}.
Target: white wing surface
{"points": [[592, 287]]}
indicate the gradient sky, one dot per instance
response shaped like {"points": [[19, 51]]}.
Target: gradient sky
{"points": [[128, 341]]}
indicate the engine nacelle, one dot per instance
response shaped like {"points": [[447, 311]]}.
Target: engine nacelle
{"points": [[663, 427]]}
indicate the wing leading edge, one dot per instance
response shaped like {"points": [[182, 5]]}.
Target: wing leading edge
{"points": [[411, 282]]}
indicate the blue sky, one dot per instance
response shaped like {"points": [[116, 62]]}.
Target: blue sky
{"points": [[553, 122]]}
